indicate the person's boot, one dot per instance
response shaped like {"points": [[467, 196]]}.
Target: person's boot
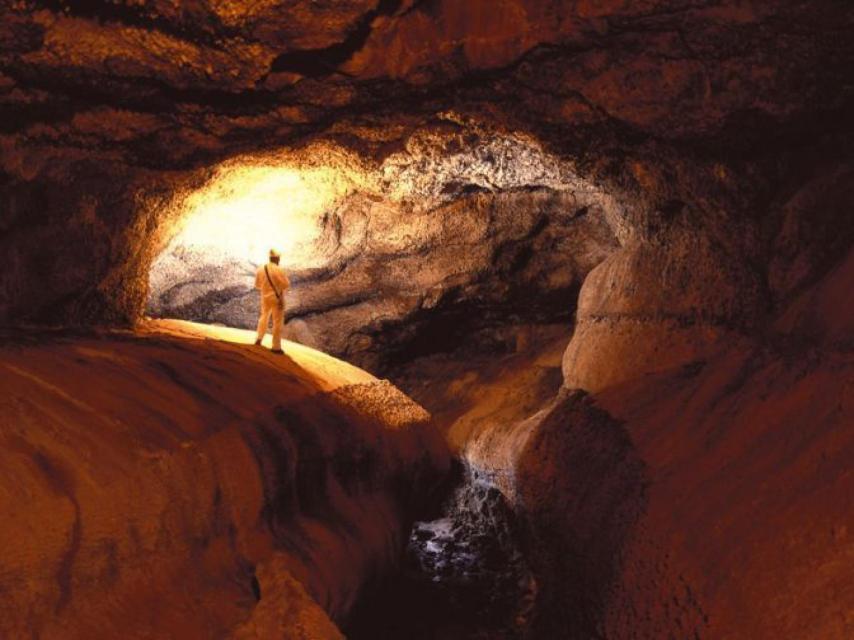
{"points": [[257, 343], [278, 352]]}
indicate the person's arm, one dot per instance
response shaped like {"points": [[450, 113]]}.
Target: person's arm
{"points": [[281, 279], [258, 280]]}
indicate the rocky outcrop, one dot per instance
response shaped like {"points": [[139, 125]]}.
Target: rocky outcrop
{"points": [[463, 576], [170, 484], [659, 303], [681, 289], [704, 500], [689, 162], [174, 85], [682, 497]]}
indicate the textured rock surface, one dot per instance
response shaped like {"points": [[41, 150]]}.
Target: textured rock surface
{"points": [[464, 577], [108, 109], [474, 391], [164, 485], [659, 303], [407, 262], [704, 487], [688, 289], [712, 500]]}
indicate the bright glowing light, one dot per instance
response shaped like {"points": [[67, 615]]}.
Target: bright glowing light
{"points": [[247, 210]]}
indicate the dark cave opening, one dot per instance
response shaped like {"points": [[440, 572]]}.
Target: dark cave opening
{"points": [[463, 576]]}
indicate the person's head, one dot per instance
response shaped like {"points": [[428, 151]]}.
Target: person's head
{"points": [[275, 256]]}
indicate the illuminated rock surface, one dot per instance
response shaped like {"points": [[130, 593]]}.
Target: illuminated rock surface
{"points": [[646, 201], [160, 484], [385, 258]]}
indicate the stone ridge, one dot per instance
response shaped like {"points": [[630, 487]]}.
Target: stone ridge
{"points": [[146, 472]]}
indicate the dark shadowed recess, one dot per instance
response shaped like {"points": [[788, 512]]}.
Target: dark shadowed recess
{"points": [[462, 576], [472, 325], [322, 62], [583, 487], [199, 26], [543, 569]]}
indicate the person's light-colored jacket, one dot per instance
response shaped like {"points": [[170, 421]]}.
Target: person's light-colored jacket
{"points": [[280, 281]]}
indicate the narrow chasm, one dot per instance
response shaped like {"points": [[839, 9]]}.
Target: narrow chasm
{"points": [[463, 576]]}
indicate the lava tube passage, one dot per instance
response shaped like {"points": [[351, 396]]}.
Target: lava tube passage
{"points": [[225, 230]]}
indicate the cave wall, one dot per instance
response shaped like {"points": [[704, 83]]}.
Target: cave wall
{"points": [[715, 339], [463, 231], [708, 502], [703, 491], [69, 238], [686, 291]]}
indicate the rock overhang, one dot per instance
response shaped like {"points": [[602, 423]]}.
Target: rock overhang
{"points": [[461, 215], [664, 69]]}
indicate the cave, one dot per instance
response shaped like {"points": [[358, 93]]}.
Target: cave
{"points": [[569, 340], [373, 250]]}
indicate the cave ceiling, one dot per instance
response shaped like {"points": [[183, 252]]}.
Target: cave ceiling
{"points": [[708, 112], [165, 84]]}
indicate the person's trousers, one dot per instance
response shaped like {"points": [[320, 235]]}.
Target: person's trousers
{"points": [[272, 308]]}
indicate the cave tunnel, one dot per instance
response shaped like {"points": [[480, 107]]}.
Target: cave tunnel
{"points": [[569, 337], [465, 243]]}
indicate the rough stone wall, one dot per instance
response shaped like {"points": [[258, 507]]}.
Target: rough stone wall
{"points": [[69, 237], [684, 291], [462, 228], [658, 303], [700, 492], [719, 334]]}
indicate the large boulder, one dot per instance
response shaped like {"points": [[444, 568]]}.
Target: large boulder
{"points": [[160, 484], [658, 303]]}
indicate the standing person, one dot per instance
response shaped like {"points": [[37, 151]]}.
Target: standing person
{"points": [[271, 281]]}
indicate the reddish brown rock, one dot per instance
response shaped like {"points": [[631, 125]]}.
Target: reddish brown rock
{"points": [[689, 162], [170, 485], [101, 104], [710, 501], [656, 304]]}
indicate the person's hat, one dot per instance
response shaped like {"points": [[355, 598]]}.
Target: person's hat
{"points": [[275, 254]]}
